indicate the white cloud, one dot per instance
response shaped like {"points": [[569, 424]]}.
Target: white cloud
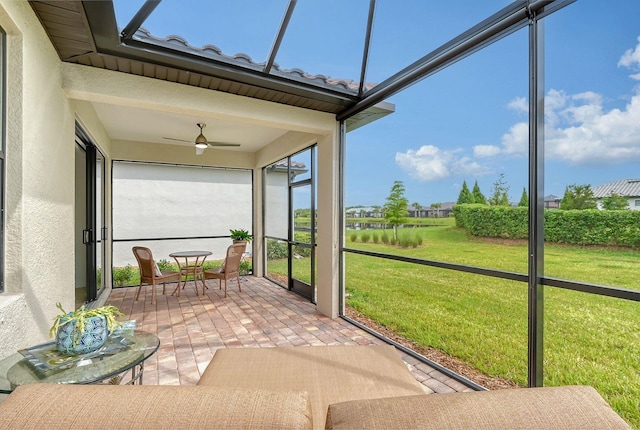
{"points": [[483, 151], [631, 57], [430, 163], [519, 104], [589, 135], [579, 130], [631, 60]]}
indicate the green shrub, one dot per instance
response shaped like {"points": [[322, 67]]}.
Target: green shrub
{"points": [[246, 267], [574, 227], [276, 249], [365, 237], [418, 240], [374, 237], [384, 238], [166, 265], [354, 237], [123, 275]]}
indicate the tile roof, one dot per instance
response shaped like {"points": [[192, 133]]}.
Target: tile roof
{"points": [[625, 188], [243, 60]]}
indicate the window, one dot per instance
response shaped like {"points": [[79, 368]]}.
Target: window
{"points": [[637, 203]]}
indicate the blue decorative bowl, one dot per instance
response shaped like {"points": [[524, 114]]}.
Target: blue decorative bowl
{"points": [[92, 337]]}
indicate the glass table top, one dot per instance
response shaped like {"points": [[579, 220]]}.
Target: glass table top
{"points": [[90, 368]]}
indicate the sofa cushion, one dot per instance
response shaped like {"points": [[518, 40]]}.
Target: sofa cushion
{"points": [[330, 374], [569, 407], [52, 406]]}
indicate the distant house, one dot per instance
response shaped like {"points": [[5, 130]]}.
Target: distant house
{"points": [[552, 201], [363, 212], [629, 188], [430, 212], [420, 212]]}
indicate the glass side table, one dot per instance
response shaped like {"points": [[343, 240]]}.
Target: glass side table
{"points": [[94, 369]]}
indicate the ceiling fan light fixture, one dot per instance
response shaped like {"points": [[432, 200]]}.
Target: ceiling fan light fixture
{"points": [[201, 141]]}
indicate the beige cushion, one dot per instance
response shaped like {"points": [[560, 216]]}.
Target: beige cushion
{"points": [[330, 374], [570, 407], [52, 406]]}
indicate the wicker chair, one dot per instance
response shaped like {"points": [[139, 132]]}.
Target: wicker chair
{"points": [[150, 273], [230, 267]]}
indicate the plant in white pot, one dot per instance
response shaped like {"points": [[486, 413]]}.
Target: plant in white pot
{"points": [[83, 330]]}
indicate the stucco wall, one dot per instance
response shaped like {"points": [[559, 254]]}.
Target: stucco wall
{"points": [[40, 184]]}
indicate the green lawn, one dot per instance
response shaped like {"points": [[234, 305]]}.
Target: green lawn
{"points": [[588, 339]]}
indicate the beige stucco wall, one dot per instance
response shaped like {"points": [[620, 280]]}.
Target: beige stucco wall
{"points": [[39, 184]]}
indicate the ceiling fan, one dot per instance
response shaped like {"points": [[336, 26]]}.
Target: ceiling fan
{"points": [[201, 142]]}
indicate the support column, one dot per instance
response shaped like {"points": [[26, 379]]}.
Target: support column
{"points": [[536, 202], [328, 224]]}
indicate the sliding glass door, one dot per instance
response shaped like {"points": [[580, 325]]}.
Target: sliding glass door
{"points": [[89, 219]]}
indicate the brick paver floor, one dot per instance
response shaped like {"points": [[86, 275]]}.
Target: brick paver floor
{"points": [[192, 327]]}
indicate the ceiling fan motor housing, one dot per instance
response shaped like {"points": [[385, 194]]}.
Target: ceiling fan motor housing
{"points": [[201, 141]]}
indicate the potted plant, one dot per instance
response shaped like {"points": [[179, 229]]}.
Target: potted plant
{"points": [[240, 235], [83, 330]]}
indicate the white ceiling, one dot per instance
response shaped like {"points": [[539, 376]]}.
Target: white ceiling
{"points": [[145, 125]]}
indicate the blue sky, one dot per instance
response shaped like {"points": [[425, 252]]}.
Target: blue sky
{"points": [[469, 121]]}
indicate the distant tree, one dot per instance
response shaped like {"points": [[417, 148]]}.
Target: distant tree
{"points": [[465, 195], [377, 210], [578, 197], [615, 202], [524, 200], [395, 209], [417, 207], [500, 193], [302, 213], [478, 197]]}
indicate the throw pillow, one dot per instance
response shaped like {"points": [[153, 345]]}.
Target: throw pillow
{"points": [[157, 270]]}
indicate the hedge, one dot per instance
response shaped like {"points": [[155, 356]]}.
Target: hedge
{"points": [[575, 227]]}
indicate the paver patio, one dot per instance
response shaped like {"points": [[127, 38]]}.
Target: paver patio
{"points": [[192, 327]]}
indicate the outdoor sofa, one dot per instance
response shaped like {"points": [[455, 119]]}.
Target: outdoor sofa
{"points": [[339, 387]]}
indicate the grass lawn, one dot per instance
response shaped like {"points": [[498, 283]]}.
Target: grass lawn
{"points": [[589, 339]]}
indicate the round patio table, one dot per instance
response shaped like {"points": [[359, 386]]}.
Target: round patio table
{"points": [[123, 352], [190, 264]]}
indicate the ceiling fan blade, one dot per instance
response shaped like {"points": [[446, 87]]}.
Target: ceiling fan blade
{"points": [[199, 151], [179, 140], [222, 144]]}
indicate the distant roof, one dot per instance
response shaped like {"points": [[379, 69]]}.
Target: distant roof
{"points": [[625, 188], [552, 198], [282, 166]]}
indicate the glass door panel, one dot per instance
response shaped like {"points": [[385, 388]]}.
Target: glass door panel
{"points": [[277, 267], [289, 204]]}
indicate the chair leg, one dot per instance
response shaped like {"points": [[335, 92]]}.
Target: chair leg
{"points": [[138, 293], [239, 287], [225, 288], [153, 291], [164, 288]]}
